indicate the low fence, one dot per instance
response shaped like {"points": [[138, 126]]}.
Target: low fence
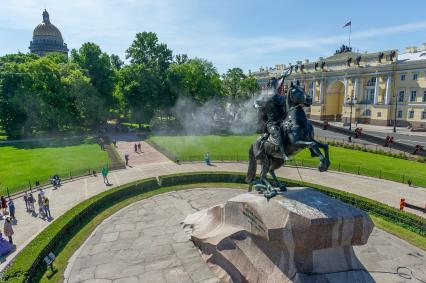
{"points": [[65, 175], [339, 167]]}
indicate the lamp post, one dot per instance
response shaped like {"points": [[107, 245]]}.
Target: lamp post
{"points": [[396, 110], [351, 100]]}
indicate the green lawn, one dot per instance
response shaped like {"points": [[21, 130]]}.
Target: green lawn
{"points": [[190, 148], [21, 162]]}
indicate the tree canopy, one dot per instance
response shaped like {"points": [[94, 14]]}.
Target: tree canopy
{"points": [[56, 93]]}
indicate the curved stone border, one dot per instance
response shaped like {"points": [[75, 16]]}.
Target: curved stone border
{"points": [[26, 262]]}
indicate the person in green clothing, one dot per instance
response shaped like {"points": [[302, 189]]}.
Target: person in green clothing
{"points": [[105, 174]]}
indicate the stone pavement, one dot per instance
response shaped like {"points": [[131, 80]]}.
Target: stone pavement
{"points": [[151, 163], [145, 242]]}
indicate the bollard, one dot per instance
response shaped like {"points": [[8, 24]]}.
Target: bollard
{"points": [[403, 178], [358, 170], [339, 168], [402, 204], [380, 173]]}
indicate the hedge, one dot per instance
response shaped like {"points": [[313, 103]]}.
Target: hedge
{"points": [[26, 262]]}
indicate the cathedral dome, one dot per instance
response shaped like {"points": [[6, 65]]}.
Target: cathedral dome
{"points": [[47, 29], [47, 38]]}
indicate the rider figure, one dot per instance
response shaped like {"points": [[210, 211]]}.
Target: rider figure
{"points": [[274, 115]]}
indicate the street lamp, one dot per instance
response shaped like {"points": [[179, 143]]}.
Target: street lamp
{"points": [[351, 101], [396, 110]]}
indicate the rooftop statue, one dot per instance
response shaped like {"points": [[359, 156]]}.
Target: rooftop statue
{"points": [[287, 131]]}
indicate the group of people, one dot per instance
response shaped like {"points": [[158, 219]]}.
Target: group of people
{"points": [[42, 201], [8, 217]]}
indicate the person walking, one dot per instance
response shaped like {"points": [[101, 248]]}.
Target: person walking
{"points": [[140, 147], [40, 205], [136, 148], [46, 206], [8, 230], [31, 202], [207, 159], [105, 174], [3, 205], [126, 157], [12, 209], [26, 201]]}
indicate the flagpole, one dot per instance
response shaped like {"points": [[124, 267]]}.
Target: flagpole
{"points": [[350, 30]]}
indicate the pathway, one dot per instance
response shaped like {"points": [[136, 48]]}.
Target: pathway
{"points": [[145, 242], [152, 163]]}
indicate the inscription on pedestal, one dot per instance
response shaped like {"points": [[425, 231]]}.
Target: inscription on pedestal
{"points": [[253, 219]]}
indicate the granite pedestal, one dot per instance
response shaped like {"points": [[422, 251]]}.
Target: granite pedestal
{"points": [[299, 236]]}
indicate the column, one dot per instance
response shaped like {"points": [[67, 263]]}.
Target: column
{"points": [[314, 91], [356, 88], [321, 91], [376, 90], [388, 86], [345, 100]]}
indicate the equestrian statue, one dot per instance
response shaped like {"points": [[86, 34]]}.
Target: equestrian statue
{"points": [[286, 131]]}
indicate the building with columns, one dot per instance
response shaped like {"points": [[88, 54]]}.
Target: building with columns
{"points": [[382, 87]]}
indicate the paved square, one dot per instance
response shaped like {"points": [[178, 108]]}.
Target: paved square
{"points": [[145, 243]]}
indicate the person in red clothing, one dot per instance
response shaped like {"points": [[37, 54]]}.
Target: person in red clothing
{"points": [[3, 205]]}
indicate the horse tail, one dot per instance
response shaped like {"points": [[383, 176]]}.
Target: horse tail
{"points": [[251, 172]]}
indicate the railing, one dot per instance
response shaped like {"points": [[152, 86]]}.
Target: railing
{"points": [[339, 167], [44, 181]]}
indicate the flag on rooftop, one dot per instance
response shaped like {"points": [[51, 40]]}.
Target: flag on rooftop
{"points": [[348, 24]]}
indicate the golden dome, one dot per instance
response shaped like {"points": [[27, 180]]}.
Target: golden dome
{"points": [[46, 28]]}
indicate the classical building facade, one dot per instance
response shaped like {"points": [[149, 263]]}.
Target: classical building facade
{"points": [[382, 87], [47, 38]]}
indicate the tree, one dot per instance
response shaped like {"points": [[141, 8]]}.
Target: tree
{"points": [[181, 59], [116, 62], [85, 103], [196, 79], [146, 50], [98, 67], [152, 59], [250, 86], [139, 88], [232, 81]]}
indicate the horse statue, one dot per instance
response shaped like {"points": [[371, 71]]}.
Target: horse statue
{"points": [[298, 134]]}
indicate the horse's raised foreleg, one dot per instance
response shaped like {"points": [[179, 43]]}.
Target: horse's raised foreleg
{"points": [[314, 146], [324, 146]]}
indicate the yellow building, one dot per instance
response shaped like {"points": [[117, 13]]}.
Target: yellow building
{"points": [[383, 87]]}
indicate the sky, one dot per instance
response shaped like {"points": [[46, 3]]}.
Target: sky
{"points": [[230, 33]]}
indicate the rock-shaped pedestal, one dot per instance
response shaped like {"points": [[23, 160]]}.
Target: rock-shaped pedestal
{"points": [[299, 236]]}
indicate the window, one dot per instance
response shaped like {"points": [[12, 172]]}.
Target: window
{"points": [[400, 114], [424, 96], [401, 96], [424, 115], [411, 114], [415, 75], [371, 81], [379, 114], [402, 77], [413, 96], [367, 112]]}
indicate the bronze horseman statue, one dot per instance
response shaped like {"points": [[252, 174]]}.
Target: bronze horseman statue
{"points": [[286, 132]]}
